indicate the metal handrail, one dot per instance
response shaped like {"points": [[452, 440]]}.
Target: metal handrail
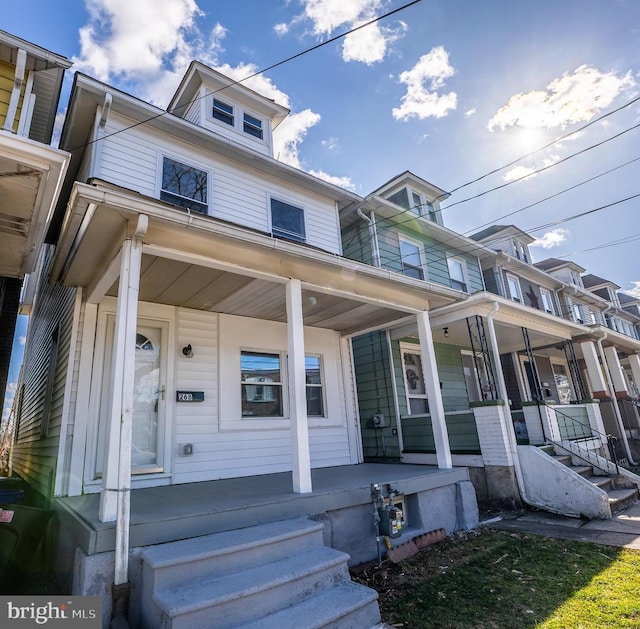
{"points": [[604, 437]]}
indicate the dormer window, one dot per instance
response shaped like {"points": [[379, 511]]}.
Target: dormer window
{"points": [[520, 251], [575, 279], [184, 185], [223, 112], [252, 126]]}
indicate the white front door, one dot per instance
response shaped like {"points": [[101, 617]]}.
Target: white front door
{"points": [[149, 397]]}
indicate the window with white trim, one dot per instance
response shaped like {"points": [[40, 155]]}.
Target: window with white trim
{"points": [[547, 301], [263, 385], [287, 221], [576, 311], [414, 382], [252, 126], [411, 258], [223, 111], [514, 288], [475, 376], [457, 273], [184, 185]]}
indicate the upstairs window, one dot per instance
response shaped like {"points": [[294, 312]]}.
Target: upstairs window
{"points": [[184, 185], [223, 112], [514, 288], [287, 221], [457, 273], [253, 126], [577, 313], [547, 301], [411, 259]]}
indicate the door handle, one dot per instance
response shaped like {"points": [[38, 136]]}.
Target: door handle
{"points": [[162, 391]]}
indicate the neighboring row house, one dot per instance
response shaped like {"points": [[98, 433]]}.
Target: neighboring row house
{"points": [[219, 340]]}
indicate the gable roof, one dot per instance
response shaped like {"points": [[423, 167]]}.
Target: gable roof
{"points": [[552, 264], [591, 281], [497, 229]]}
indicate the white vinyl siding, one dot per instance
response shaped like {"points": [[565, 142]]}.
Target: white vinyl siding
{"points": [[132, 159], [220, 452], [35, 456]]}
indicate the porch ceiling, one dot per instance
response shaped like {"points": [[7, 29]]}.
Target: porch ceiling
{"points": [[28, 183], [186, 285], [194, 261]]}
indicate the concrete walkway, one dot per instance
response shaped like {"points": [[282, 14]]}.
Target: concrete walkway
{"points": [[622, 530]]}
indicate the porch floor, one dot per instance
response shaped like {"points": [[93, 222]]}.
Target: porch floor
{"points": [[171, 512]]}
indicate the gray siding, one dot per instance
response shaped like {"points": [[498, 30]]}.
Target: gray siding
{"points": [[35, 455]]}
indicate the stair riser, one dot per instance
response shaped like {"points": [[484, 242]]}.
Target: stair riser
{"points": [[235, 560], [368, 616], [621, 505], [255, 606]]}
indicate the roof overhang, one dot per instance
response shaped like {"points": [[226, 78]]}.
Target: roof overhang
{"points": [[88, 95], [31, 176], [199, 262]]}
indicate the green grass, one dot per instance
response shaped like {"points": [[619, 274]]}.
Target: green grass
{"points": [[500, 580]]}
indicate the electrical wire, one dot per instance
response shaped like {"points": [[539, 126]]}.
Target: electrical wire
{"points": [[254, 74]]}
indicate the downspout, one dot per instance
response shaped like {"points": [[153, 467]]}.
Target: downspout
{"points": [[373, 235], [513, 446], [614, 401]]}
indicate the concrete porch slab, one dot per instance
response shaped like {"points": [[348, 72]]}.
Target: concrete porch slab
{"points": [[167, 513]]}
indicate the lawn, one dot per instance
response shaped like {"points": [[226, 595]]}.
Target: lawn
{"points": [[501, 580]]}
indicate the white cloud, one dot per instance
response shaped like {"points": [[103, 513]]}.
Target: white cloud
{"points": [[22, 340], [423, 82], [523, 172], [551, 239], [635, 291], [342, 182], [470, 112], [367, 45], [281, 29], [331, 144], [289, 134], [574, 97]]}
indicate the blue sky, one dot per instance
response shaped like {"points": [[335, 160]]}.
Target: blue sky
{"points": [[449, 89]]}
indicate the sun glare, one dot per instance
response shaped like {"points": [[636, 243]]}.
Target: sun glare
{"points": [[528, 139]]}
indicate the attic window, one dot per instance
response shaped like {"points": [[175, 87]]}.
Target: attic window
{"points": [[222, 111], [252, 126]]}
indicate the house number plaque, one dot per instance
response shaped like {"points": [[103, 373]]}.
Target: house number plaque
{"points": [[189, 396]]}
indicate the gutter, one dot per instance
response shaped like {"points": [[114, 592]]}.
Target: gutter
{"points": [[373, 235], [614, 401]]}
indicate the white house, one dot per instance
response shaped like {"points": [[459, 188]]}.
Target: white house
{"points": [[191, 328]]}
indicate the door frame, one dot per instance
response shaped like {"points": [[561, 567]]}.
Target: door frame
{"points": [[158, 315]]}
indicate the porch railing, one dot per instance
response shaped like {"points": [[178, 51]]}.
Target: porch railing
{"points": [[630, 413], [573, 429], [417, 433]]}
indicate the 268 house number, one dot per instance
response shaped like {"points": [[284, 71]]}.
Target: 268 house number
{"points": [[190, 396]]}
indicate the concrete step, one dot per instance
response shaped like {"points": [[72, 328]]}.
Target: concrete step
{"points": [[222, 554], [620, 499], [348, 606], [228, 601], [583, 470], [604, 482]]}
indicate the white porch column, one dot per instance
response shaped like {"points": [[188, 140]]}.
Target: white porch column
{"points": [[432, 386], [634, 362], [615, 369], [300, 453], [594, 371], [116, 480]]}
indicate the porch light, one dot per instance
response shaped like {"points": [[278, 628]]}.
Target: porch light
{"points": [[188, 351], [446, 332]]}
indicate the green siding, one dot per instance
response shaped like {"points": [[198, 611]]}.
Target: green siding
{"points": [[435, 254], [356, 244], [417, 433], [375, 395]]}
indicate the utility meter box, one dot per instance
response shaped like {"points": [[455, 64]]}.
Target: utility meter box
{"points": [[391, 520]]}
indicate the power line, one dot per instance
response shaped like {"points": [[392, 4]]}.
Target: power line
{"points": [[546, 146], [257, 73], [613, 243], [535, 172]]}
